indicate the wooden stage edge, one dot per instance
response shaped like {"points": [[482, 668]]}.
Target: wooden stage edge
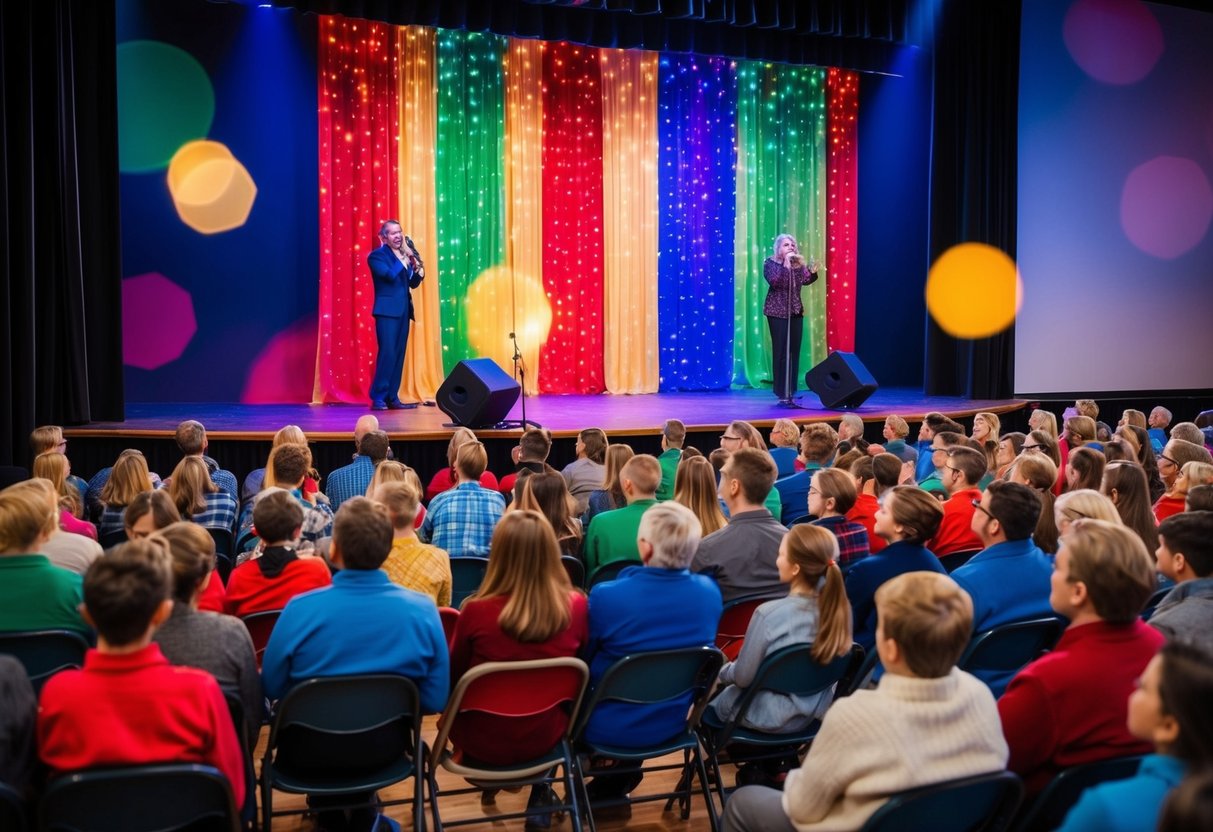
{"points": [[563, 415]]}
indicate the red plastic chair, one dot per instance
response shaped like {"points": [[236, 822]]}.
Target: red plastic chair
{"points": [[450, 617], [730, 632], [259, 626]]}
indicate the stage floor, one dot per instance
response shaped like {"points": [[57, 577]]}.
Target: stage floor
{"points": [[563, 415]]}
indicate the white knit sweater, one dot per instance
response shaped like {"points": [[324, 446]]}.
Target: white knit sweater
{"points": [[908, 732]]}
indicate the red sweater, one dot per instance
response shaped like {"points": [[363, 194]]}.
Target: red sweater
{"points": [[1167, 506], [248, 591], [955, 533], [212, 598], [864, 513], [136, 709], [479, 639], [1069, 706], [444, 480]]}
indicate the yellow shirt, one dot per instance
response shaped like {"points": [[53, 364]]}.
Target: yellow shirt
{"points": [[420, 567]]}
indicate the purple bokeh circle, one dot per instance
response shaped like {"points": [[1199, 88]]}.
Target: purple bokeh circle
{"points": [[1113, 41], [1166, 206], [157, 321], [284, 371]]}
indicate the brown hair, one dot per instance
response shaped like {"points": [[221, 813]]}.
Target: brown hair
{"points": [[1113, 563], [460, 437], [750, 437], [1190, 533], [837, 485], [45, 438], [1048, 446], [471, 459], [1088, 464], [128, 477], [1088, 408], [616, 456], [123, 590], [970, 463], [644, 472], [817, 442], [1041, 473], [596, 444], [362, 534], [886, 470], [191, 437], [1125, 484], [193, 556], [288, 466], [1082, 427], [535, 445], [755, 471], [930, 618], [401, 499], [26, 514], [525, 567], [815, 550], [277, 515], [547, 493], [1200, 498], [675, 433], [915, 510], [1185, 687], [695, 488], [191, 481], [156, 503]]}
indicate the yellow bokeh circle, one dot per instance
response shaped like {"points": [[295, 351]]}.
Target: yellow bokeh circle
{"points": [[211, 190], [974, 291], [501, 301]]}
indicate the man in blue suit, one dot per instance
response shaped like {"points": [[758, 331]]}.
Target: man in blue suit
{"points": [[396, 269]]}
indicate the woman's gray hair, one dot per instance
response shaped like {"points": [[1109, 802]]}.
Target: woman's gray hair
{"points": [[778, 240], [674, 531]]}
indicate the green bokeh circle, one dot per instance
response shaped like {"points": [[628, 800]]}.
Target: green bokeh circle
{"points": [[165, 99]]}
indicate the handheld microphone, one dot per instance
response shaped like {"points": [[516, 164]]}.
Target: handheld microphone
{"points": [[409, 241]]}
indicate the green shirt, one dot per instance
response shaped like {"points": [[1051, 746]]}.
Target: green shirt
{"points": [[612, 535], [669, 469], [37, 595], [772, 504]]}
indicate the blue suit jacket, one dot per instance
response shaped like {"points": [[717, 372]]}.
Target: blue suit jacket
{"points": [[393, 280]]}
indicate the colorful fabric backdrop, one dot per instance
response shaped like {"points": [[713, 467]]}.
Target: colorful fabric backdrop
{"points": [[610, 208]]}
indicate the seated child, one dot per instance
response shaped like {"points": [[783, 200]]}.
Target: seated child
{"points": [[1170, 710], [1068, 707], [925, 723], [128, 705], [830, 498]]}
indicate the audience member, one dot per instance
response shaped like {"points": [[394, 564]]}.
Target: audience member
{"points": [[1118, 448], [128, 706], [1008, 579], [1160, 419], [73, 552], [925, 723], [524, 609], [1124, 483], [34, 594], [941, 443], [695, 488], [673, 437], [741, 434], [866, 501], [461, 521], [785, 446], [286, 435], [530, 457], [1044, 420], [53, 467], [895, 432], [1200, 498], [1083, 504], [444, 480], [1170, 710], [1009, 447], [17, 719], [149, 511], [1069, 706], [1185, 555], [986, 428], [963, 470], [831, 496], [908, 518], [198, 499], [850, 434], [412, 564], [279, 572], [1084, 469], [1176, 454], [123, 482], [218, 644], [1189, 806], [1189, 432], [584, 474], [1149, 461], [547, 494], [741, 556], [815, 612], [192, 442], [817, 444], [353, 480], [658, 606], [50, 438], [609, 495], [1038, 473], [612, 534], [933, 423]]}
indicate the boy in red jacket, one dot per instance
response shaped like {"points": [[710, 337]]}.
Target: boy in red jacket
{"points": [[128, 705]]}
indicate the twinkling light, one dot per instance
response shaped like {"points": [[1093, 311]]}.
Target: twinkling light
{"points": [[359, 118], [842, 200], [572, 219], [696, 104], [470, 179], [781, 125]]}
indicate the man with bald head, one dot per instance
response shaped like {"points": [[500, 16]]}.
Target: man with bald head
{"points": [[370, 448]]}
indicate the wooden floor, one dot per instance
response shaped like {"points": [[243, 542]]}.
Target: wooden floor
{"points": [[646, 817]]}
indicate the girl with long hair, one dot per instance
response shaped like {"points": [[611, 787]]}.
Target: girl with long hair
{"points": [[986, 428], [1038, 473], [1009, 447], [198, 498], [1124, 483], [53, 467], [1084, 469], [831, 495], [547, 493], [128, 477], [695, 488]]}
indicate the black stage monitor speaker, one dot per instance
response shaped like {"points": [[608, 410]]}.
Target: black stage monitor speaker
{"points": [[477, 393], [841, 381]]}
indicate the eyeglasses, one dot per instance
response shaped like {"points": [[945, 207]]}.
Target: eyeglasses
{"points": [[813, 490], [1032, 447], [1165, 458], [725, 436], [977, 505]]}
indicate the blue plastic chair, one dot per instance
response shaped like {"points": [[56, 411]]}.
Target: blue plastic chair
{"points": [[1010, 647], [985, 803], [45, 652], [1050, 808], [610, 571], [466, 576], [647, 679], [149, 798], [342, 735]]}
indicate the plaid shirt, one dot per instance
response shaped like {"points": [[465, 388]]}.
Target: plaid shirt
{"points": [[420, 567], [852, 539], [462, 520], [220, 511], [349, 481]]}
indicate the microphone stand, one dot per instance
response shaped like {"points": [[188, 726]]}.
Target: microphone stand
{"points": [[520, 371]]}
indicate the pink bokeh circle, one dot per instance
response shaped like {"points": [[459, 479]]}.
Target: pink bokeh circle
{"points": [[1113, 41], [157, 321], [284, 371], [1166, 206]]}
